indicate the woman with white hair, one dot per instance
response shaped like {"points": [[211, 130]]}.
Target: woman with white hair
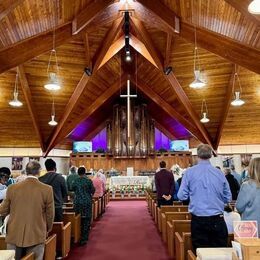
{"points": [[99, 186]]}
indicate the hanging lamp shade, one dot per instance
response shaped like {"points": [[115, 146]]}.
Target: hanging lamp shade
{"points": [[254, 7], [53, 83], [15, 102], [237, 101], [53, 122], [204, 118], [197, 83]]}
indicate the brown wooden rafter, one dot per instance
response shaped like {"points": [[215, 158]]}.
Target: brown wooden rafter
{"points": [[168, 50], [65, 130], [224, 114], [30, 105]]}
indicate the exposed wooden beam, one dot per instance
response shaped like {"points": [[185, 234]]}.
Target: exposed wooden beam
{"points": [[242, 7], [168, 50], [66, 129], [7, 6], [184, 100], [88, 14], [87, 50], [113, 32], [147, 41], [23, 51], [29, 102], [216, 43], [165, 17], [167, 107], [226, 107], [224, 47], [73, 101]]}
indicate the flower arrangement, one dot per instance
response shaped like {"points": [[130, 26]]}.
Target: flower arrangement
{"points": [[177, 171]]}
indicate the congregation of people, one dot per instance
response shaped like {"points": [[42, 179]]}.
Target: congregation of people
{"points": [[208, 191], [31, 203]]}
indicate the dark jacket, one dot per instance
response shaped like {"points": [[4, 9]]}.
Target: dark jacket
{"points": [[58, 185], [164, 182], [234, 185]]}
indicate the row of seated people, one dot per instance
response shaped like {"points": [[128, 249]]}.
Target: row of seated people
{"points": [[174, 224], [31, 206]]}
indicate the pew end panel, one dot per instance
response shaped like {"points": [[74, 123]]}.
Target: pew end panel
{"points": [[179, 247], [191, 255], [50, 248], [29, 256]]}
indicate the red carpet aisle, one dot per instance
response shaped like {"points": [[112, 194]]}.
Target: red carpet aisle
{"points": [[125, 232]]}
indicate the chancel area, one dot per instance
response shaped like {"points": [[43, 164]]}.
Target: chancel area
{"points": [[129, 129]]}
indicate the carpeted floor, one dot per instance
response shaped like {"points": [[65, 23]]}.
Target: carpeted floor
{"points": [[125, 232]]}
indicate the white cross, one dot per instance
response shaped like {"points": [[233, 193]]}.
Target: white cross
{"points": [[128, 96]]}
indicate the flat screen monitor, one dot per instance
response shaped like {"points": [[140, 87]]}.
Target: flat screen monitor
{"points": [[82, 147], [179, 145]]}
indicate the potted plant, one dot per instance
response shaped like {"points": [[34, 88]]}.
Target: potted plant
{"points": [[113, 192], [122, 191], [136, 191], [129, 191]]}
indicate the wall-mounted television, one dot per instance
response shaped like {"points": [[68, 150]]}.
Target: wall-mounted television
{"points": [[82, 147], [179, 145]]}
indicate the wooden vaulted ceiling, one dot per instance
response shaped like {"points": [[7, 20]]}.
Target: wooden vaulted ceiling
{"points": [[89, 34]]}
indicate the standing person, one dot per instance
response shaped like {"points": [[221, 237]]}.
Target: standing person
{"points": [[164, 182], [21, 177], [103, 177], [71, 179], [233, 184], [248, 200], [84, 190], [99, 186], [208, 191], [3, 187], [235, 174], [7, 172], [59, 187], [31, 207]]}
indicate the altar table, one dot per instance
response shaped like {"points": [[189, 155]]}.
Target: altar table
{"points": [[129, 180]]}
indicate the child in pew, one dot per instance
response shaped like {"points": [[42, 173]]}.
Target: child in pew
{"points": [[84, 190], [230, 216]]}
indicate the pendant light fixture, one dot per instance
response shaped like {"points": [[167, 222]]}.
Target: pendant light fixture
{"points": [[237, 101], [198, 82], [16, 102], [254, 7], [53, 82], [53, 122], [204, 112]]}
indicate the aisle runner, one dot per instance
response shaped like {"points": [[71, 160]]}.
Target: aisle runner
{"points": [[126, 232]]}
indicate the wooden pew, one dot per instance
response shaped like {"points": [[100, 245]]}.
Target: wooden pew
{"points": [[50, 248], [191, 255], [168, 216], [164, 209], [29, 256], [177, 203], [75, 224], [2, 242], [63, 237], [95, 209], [99, 207], [183, 244], [68, 209], [173, 226]]}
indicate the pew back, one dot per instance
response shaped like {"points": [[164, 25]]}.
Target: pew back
{"points": [[183, 243], [29, 256], [168, 216], [173, 226], [2, 242], [50, 248], [75, 224], [191, 255]]}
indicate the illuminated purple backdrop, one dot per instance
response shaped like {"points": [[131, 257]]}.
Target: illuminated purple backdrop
{"points": [[161, 140]]}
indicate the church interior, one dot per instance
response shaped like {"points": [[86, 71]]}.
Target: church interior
{"points": [[117, 87]]}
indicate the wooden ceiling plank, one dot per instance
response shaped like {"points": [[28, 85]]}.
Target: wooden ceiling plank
{"points": [[22, 51], [216, 43], [87, 50], [242, 7], [147, 41], [104, 48], [30, 105], [8, 6], [73, 101], [88, 14], [168, 50], [167, 107], [66, 130], [224, 114], [184, 100]]}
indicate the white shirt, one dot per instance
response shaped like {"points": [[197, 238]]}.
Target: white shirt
{"points": [[3, 190], [103, 178], [230, 217]]}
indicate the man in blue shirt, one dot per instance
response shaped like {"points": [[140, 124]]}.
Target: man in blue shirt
{"points": [[208, 191]]}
